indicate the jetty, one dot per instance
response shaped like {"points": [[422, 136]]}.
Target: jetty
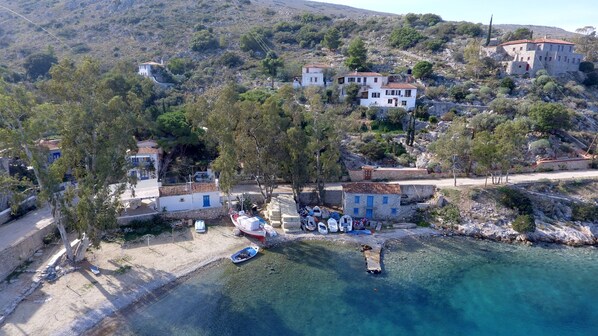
{"points": [[372, 256]]}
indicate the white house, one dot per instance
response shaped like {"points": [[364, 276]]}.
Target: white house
{"points": [[145, 161], [145, 69], [378, 90], [313, 75], [529, 56], [189, 196]]}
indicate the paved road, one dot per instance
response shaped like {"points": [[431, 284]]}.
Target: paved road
{"points": [[17, 230], [449, 182]]}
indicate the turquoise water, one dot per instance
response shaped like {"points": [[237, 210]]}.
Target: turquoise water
{"points": [[430, 286]]}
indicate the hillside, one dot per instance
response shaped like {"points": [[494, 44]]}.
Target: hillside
{"points": [[540, 31]]}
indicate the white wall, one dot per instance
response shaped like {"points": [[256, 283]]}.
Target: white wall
{"points": [[188, 202]]}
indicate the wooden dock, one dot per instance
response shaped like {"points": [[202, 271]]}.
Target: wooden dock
{"points": [[372, 258]]}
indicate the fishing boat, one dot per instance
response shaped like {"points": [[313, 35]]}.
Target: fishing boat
{"points": [[317, 211], [250, 226], [310, 224], [332, 225], [346, 223], [200, 226], [244, 254], [322, 228]]}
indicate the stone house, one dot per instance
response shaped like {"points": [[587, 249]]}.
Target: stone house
{"points": [[376, 90], [189, 196], [377, 201], [529, 56]]}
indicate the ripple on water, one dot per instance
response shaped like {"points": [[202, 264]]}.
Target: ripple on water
{"points": [[430, 286]]}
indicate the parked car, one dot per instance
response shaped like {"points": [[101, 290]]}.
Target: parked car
{"points": [[200, 226]]}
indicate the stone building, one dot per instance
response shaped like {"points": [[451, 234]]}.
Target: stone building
{"points": [[378, 201], [529, 56]]}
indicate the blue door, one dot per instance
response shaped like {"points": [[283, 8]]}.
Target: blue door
{"points": [[369, 213], [370, 201], [206, 201]]}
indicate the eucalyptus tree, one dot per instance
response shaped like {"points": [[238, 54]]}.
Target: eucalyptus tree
{"points": [[453, 149], [96, 126]]}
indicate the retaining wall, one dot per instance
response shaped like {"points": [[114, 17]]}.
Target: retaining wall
{"points": [[331, 198], [21, 250], [27, 204]]}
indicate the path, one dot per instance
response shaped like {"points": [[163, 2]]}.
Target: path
{"points": [[17, 230]]}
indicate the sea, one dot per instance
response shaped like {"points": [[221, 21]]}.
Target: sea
{"points": [[429, 286]]}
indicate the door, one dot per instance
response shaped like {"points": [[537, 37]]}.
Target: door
{"points": [[370, 201], [206, 201], [369, 213], [367, 174]]}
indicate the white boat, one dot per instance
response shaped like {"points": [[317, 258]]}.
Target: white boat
{"points": [[310, 225], [346, 223], [244, 254], [332, 225], [322, 228], [250, 226], [200, 226], [317, 211]]}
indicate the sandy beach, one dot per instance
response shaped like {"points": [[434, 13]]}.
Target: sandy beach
{"points": [[80, 300]]}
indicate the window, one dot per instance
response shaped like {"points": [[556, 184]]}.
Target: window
{"points": [[559, 58], [390, 101], [403, 103], [513, 48], [384, 199], [311, 79], [528, 58], [375, 79], [393, 211], [398, 92], [570, 48], [540, 58], [206, 201], [520, 48], [387, 92], [369, 213], [351, 80], [550, 58], [316, 80], [355, 211], [370, 201], [375, 94], [359, 80], [407, 93], [341, 80], [365, 79], [356, 199]]}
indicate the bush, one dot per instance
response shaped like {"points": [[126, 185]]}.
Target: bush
{"points": [[586, 67], [405, 38], [230, 59], [524, 224], [516, 200], [508, 83], [203, 40], [422, 69], [584, 212], [450, 214], [433, 120]]}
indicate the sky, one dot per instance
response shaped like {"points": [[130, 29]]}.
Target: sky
{"points": [[566, 14]]}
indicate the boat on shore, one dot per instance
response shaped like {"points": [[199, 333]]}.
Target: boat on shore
{"points": [[244, 254], [322, 228], [332, 225], [250, 226], [346, 223], [311, 224]]}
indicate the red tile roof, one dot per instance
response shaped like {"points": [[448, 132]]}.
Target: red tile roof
{"points": [[363, 74], [537, 41], [398, 86], [50, 144], [372, 188], [183, 189]]}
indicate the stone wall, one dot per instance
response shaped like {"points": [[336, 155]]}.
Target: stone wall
{"points": [[438, 109], [416, 193], [21, 250], [568, 164], [389, 174], [211, 213], [331, 198]]}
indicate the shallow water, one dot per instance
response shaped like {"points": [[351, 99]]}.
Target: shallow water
{"points": [[430, 286]]}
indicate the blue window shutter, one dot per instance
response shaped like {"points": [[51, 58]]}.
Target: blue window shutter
{"points": [[384, 199], [356, 199], [370, 201], [393, 211], [355, 211]]}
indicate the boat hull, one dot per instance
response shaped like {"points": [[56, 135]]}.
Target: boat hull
{"points": [[258, 234], [244, 254]]}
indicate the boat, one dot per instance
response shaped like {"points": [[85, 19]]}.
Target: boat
{"points": [[332, 225], [346, 223], [200, 226], [317, 211], [310, 225], [250, 226], [244, 254], [94, 269], [322, 228]]}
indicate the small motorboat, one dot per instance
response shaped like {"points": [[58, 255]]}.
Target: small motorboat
{"points": [[200, 226], [322, 228], [346, 223], [310, 225], [250, 226], [317, 212], [332, 225], [245, 254]]}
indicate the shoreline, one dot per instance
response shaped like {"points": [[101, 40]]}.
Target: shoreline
{"points": [[79, 302]]}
